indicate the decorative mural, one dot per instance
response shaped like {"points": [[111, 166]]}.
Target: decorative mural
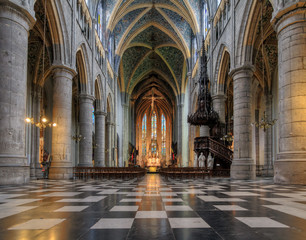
{"points": [[182, 25], [125, 22], [170, 48], [175, 59], [153, 36], [152, 16], [152, 61], [131, 58]]}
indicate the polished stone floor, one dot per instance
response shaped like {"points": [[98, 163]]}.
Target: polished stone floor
{"points": [[152, 208]]}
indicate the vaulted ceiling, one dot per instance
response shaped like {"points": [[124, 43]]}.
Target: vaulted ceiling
{"points": [[153, 41]]}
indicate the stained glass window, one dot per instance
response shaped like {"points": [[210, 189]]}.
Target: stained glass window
{"points": [[154, 132], [144, 135], [163, 130], [93, 115], [206, 24], [195, 50], [99, 20]]}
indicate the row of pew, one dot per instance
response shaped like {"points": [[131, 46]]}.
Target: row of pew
{"points": [[108, 172], [185, 172]]}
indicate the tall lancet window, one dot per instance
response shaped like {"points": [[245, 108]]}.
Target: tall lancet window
{"points": [[154, 133], [144, 135], [206, 24], [163, 131], [99, 20]]}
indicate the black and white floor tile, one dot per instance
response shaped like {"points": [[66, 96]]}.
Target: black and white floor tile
{"points": [[152, 208]]}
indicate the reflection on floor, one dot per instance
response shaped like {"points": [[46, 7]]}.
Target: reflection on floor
{"points": [[152, 208]]}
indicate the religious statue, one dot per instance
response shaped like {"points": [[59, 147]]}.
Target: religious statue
{"points": [[195, 160], [201, 160], [210, 162]]}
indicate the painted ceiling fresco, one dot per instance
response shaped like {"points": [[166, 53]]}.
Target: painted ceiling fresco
{"points": [[153, 37]]}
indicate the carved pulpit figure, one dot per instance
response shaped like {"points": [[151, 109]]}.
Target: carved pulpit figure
{"points": [[201, 160], [195, 160], [210, 162]]}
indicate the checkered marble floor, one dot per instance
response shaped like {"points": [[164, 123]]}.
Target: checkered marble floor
{"points": [[152, 208]]}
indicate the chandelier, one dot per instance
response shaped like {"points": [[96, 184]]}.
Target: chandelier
{"points": [[42, 124], [264, 123]]}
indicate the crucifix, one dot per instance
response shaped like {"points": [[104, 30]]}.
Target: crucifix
{"points": [[153, 98]]}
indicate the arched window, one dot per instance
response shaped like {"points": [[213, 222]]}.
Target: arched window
{"points": [[206, 24], [110, 49], [93, 115], [144, 135], [153, 133], [163, 130], [195, 50], [99, 26]]}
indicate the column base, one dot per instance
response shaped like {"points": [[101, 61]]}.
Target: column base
{"points": [[268, 172], [243, 169], [290, 172], [61, 173], [14, 170], [85, 165]]}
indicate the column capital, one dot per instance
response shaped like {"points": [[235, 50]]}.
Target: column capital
{"points": [[63, 71], [287, 13], [21, 12], [247, 68], [97, 113], [219, 96], [85, 96]]}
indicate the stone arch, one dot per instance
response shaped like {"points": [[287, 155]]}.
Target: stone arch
{"points": [[99, 94], [59, 32], [245, 51], [109, 108], [82, 69], [222, 63]]}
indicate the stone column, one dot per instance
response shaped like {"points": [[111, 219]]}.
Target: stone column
{"points": [[15, 23], [109, 146], [85, 126], [35, 164], [100, 139], [204, 131], [268, 164], [179, 134], [290, 26], [125, 135], [243, 166], [219, 106], [61, 166]]}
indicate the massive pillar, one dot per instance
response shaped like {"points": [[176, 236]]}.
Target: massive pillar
{"points": [[219, 106], [100, 139], [243, 166], [179, 133], [109, 146], [36, 132], [268, 162], [85, 124], [290, 26], [61, 166], [15, 22], [125, 140]]}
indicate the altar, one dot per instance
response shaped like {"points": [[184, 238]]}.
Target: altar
{"points": [[153, 162]]}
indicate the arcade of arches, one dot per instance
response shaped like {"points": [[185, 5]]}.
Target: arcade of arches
{"points": [[119, 79]]}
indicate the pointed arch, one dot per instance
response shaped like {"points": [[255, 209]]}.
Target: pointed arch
{"points": [[222, 69], [99, 94], [82, 67], [58, 31]]}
